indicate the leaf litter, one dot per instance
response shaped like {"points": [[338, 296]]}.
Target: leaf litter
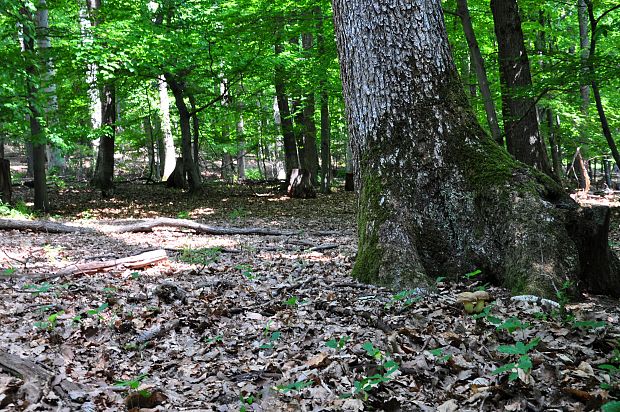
{"points": [[275, 323]]}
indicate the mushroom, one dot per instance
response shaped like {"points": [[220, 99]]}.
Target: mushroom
{"points": [[473, 302]]}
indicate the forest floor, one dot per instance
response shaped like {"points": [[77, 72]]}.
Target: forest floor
{"points": [[271, 323]]}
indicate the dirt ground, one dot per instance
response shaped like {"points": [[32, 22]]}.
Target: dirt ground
{"points": [[272, 323]]}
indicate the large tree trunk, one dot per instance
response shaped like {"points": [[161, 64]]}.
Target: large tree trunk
{"points": [[523, 138], [481, 73], [189, 166], [291, 159], [584, 43], [437, 195], [168, 161]]}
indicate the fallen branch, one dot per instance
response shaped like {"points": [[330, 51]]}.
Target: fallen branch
{"points": [[34, 376], [144, 226], [132, 262]]}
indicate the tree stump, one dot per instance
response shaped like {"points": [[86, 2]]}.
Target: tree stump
{"points": [[5, 180], [300, 184], [177, 178]]}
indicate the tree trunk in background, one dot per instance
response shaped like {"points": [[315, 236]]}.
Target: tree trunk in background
{"points": [[150, 136], [595, 90], [523, 138], [307, 121], [437, 195], [584, 43], [189, 166], [326, 156], [168, 161], [240, 144], [1, 147], [607, 170], [5, 180], [554, 146], [37, 132], [104, 170], [481, 73], [195, 131], [87, 21], [291, 159]]}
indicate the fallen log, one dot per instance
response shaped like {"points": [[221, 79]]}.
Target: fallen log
{"points": [[144, 226], [40, 226], [131, 262]]}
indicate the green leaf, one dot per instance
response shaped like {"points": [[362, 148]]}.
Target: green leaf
{"points": [[613, 406]]}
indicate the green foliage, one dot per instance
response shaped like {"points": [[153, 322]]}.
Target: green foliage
{"points": [[19, 211], [246, 272], [524, 363], [613, 406], [294, 387], [132, 384], [50, 322], [201, 256], [407, 297], [439, 355], [338, 344]]}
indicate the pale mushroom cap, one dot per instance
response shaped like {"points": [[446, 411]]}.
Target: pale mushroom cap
{"points": [[466, 297], [481, 295]]}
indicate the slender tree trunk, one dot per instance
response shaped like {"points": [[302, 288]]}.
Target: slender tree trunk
{"points": [[326, 157], [584, 43], [481, 73], [104, 170], [436, 194], [1, 147], [595, 90], [240, 144], [189, 165], [523, 138], [308, 125], [554, 144], [150, 136], [37, 132], [195, 130], [291, 159], [169, 160]]}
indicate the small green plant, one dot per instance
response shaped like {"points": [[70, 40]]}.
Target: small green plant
{"points": [[337, 344], [408, 297], [50, 322], [513, 324], [588, 324], [201, 256], [295, 386], [237, 214], [273, 338], [613, 406], [292, 301], [246, 402], [38, 289], [439, 355], [523, 366], [372, 351], [183, 214], [19, 211], [246, 272], [54, 179], [472, 275], [563, 298], [135, 275], [134, 384], [8, 271], [97, 312], [214, 339], [486, 314]]}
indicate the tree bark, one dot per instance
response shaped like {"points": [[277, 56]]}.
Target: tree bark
{"points": [[168, 161], [5, 181], [437, 195], [195, 131], [291, 159], [523, 138], [481, 73], [37, 132], [326, 156], [594, 83], [584, 43], [104, 170], [189, 166], [554, 145]]}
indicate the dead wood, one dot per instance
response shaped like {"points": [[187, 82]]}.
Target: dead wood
{"points": [[157, 331], [132, 262], [34, 376], [144, 226]]}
